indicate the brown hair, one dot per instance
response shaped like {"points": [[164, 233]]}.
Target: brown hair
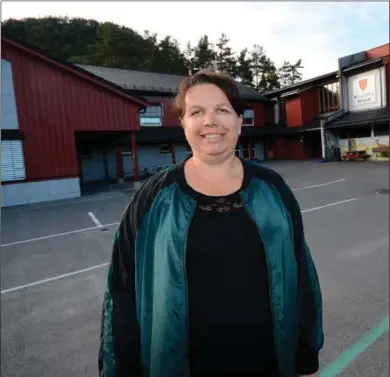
{"points": [[209, 76]]}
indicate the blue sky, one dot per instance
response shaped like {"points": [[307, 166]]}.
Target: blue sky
{"points": [[317, 32]]}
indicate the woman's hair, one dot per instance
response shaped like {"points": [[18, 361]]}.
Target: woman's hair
{"points": [[209, 76]]}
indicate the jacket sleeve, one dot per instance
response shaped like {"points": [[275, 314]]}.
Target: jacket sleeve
{"points": [[311, 336], [120, 349]]}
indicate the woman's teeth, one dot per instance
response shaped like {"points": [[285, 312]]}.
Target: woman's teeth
{"points": [[213, 136]]}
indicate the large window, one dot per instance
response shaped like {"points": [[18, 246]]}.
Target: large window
{"points": [[249, 117], [381, 130], [152, 116], [355, 132], [12, 161], [329, 97]]}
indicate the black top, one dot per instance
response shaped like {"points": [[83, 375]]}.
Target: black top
{"points": [[229, 304]]}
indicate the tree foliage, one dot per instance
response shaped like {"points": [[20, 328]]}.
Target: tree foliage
{"points": [[78, 40]]}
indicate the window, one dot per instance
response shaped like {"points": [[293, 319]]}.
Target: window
{"points": [[359, 132], [381, 130], [249, 117], [329, 97], [152, 116], [12, 161]]}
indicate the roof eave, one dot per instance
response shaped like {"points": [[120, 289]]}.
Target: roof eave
{"points": [[76, 71], [363, 65]]}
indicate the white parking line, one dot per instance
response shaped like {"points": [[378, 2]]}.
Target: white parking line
{"points": [[328, 205], [59, 234], [39, 282], [319, 185], [117, 223], [105, 264], [94, 219]]}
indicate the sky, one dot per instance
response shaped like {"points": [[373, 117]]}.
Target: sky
{"points": [[317, 32]]}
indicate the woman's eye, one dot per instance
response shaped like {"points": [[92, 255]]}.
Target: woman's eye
{"points": [[223, 110]]}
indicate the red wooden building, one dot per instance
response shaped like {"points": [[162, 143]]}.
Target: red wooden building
{"points": [[49, 111]]}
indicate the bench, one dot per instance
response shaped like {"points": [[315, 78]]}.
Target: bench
{"points": [[355, 155], [382, 150]]}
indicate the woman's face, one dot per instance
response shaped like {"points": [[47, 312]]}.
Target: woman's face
{"points": [[211, 125]]}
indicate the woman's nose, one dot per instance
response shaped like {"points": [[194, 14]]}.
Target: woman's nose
{"points": [[209, 119]]}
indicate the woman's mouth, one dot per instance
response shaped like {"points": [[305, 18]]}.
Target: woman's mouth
{"points": [[213, 137]]}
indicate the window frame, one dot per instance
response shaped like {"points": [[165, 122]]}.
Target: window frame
{"points": [[160, 116], [12, 150]]}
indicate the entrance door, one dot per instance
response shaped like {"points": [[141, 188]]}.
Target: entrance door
{"points": [[92, 167], [259, 150]]}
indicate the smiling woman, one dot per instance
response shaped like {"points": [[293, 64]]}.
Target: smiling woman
{"points": [[212, 116], [210, 272]]}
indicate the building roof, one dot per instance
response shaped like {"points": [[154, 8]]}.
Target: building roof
{"points": [[143, 81], [357, 118], [366, 63], [94, 79], [300, 84]]}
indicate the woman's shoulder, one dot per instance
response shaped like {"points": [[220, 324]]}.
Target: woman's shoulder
{"points": [[262, 172], [274, 179]]}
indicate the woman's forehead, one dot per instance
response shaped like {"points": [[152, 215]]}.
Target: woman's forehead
{"points": [[205, 94]]}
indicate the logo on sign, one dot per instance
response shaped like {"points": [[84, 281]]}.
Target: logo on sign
{"points": [[364, 91], [363, 84]]}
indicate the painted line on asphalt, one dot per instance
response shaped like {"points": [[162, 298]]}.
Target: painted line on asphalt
{"points": [[117, 223], [52, 279], [328, 205], [102, 265], [319, 185], [94, 219], [352, 353], [59, 235]]}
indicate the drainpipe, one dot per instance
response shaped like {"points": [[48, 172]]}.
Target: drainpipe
{"points": [[137, 182], [323, 139]]}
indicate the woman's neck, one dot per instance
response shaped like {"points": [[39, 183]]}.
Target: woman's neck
{"points": [[214, 179], [222, 169]]}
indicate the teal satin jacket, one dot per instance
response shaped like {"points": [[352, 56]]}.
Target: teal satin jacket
{"points": [[144, 330]]}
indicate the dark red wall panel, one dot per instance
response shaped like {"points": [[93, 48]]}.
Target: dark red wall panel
{"points": [[294, 112], [269, 113], [52, 104], [295, 149], [310, 105]]}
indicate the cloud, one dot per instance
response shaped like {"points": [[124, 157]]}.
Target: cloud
{"points": [[316, 32]]}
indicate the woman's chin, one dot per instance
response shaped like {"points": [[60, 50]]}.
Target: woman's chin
{"points": [[215, 150]]}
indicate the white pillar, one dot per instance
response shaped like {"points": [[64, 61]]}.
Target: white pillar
{"points": [[323, 139]]}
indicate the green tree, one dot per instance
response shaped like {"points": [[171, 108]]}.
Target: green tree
{"points": [[90, 42], [189, 55], [225, 57], [169, 57], [244, 72], [203, 54], [289, 73], [258, 59]]}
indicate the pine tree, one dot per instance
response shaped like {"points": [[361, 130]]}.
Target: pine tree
{"points": [[204, 55], [289, 73], [244, 72], [225, 59]]}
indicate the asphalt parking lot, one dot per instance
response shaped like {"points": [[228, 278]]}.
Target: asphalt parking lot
{"points": [[54, 263]]}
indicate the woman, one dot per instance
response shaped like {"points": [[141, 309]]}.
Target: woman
{"points": [[210, 272]]}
